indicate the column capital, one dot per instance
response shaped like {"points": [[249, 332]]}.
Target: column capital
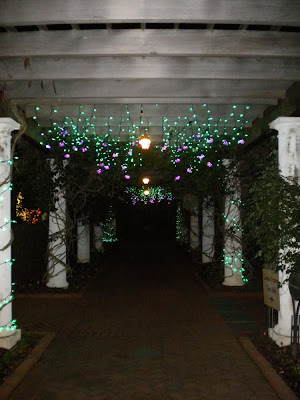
{"points": [[9, 123], [284, 121]]}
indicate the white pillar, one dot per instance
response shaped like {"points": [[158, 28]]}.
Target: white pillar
{"points": [[208, 233], [98, 236], [57, 259], [194, 228], [83, 241], [289, 166], [9, 335], [232, 252]]}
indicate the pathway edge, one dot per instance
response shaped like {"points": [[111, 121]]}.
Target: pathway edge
{"points": [[14, 380], [276, 382]]}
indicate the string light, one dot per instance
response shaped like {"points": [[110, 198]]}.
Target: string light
{"points": [[109, 228], [28, 216], [232, 256], [5, 229], [149, 194], [178, 222], [195, 134], [10, 326], [6, 301]]}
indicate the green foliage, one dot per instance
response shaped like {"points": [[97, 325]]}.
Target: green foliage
{"points": [[32, 177], [10, 359], [272, 216], [281, 360]]}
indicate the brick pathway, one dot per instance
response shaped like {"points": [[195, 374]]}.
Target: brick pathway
{"points": [[144, 331]]}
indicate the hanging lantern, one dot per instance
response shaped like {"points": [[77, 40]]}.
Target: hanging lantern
{"points": [[146, 181], [145, 142]]}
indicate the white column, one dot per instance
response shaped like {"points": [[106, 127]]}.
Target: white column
{"points": [[208, 232], [289, 166], [9, 335], [232, 252], [98, 236], [194, 228], [83, 241], [57, 259]]}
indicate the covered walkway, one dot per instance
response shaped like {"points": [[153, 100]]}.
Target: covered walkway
{"points": [[145, 330]]}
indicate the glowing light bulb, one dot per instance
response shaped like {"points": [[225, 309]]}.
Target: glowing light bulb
{"points": [[146, 181], [146, 192], [145, 142]]}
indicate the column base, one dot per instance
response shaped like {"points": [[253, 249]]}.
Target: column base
{"points": [[8, 342], [57, 285], [233, 282], [83, 260], [280, 340], [232, 278], [206, 260]]}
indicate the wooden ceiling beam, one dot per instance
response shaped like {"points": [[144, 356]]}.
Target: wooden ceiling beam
{"points": [[46, 68], [150, 42], [171, 101], [154, 88], [35, 12]]}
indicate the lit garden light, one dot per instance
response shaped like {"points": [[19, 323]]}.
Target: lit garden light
{"points": [[146, 192], [145, 142], [146, 181]]}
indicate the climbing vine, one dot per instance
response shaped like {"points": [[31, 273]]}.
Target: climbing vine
{"points": [[271, 221]]}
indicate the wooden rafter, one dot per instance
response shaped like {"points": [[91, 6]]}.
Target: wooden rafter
{"points": [[167, 42], [30, 12]]}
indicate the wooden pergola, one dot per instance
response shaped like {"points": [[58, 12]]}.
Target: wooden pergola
{"points": [[166, 58], [162, 64]]}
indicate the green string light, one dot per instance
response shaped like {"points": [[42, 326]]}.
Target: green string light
{"points": [[178, 223], [109, 228], [148, 194]]}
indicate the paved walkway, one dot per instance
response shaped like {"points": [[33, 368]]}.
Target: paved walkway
{"points": [[145, 330]]}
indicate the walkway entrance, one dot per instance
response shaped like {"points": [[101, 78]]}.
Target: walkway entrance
{"points": [[146, 221], [146, 331]]}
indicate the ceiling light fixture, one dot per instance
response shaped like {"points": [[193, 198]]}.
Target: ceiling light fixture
{"points": [[144, 140], [146, 181]]}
